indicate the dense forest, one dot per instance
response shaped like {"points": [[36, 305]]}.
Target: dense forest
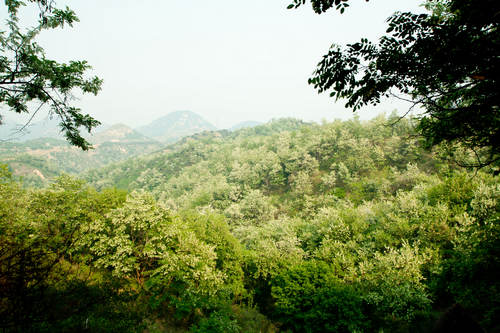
{"points": [[347, 226], [387, 225]]}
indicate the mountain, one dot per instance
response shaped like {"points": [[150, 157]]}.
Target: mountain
{"points": [[176, 125], [168, 129], [245, 124]]}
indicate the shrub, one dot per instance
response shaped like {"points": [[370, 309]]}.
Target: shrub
{"points": [[311, 298]]}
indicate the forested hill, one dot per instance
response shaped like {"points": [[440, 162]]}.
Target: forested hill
{"points": [[142, 172], [358, 202], [346, 226], [273, 158]]}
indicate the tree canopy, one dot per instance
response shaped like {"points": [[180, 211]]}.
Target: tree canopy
{"points": [[339, 227], [446, 61], [29, 81]]}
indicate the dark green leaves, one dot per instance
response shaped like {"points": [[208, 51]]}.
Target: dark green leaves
{"points": [[447, 61]]}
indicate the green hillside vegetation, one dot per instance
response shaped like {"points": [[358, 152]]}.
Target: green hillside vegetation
{"points": [[340, 227], [174, 158]]}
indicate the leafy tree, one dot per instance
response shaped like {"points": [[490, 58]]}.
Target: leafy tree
{"points": [[393, 282], [273, 247], [43, 278], [254, 207], [470, 274], [29, 81], [447, 61], [185, 265]]}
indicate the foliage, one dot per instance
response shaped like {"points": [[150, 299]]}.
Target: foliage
{"points": [[39, 262], [393, 282], [344, 226], [181, 263], [311, 298], [252, 321], [27, 77], [469, 275], [445, 60], [216, 322], [321, 6]]}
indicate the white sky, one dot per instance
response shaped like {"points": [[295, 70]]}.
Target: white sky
{"points": [[227, 60]]}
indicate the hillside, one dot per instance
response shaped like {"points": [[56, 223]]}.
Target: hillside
{"points": [[289, 226], [186, 152], [175, 125], [37, 161], [271, 158], [118, 133]]}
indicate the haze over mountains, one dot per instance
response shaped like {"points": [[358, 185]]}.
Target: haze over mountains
{"points": [[118, 133], [166, 129]]}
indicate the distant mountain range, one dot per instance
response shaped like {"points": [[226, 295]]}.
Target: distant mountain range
{"points": [[167, 129], [40, 152], [13, 130]]}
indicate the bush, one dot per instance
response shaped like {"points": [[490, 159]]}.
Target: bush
{"points": [[217, 322], [310, 298]]}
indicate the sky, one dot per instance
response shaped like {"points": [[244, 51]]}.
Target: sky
{"points": [[226, 60]]}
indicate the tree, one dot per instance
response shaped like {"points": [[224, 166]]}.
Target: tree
{"points": [[446, 61], [29, 81], [43, 276]]}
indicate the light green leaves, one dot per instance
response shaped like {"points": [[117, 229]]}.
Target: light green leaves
{"points": [[142, 240]]}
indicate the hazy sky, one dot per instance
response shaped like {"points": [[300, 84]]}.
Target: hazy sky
{"points": [[227, 60]]}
